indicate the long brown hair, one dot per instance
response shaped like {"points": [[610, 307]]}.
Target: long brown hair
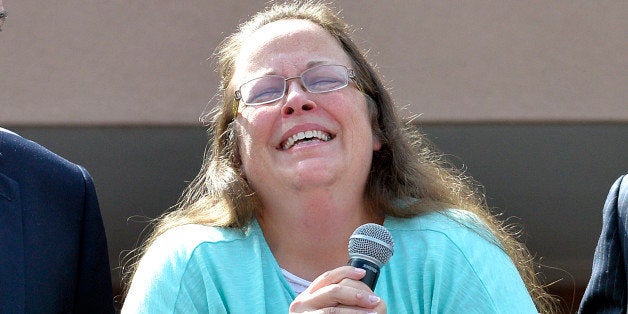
{"points": [[406, 167]]}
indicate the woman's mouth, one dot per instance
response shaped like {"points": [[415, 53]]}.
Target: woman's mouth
{"points": [[313, 135]]}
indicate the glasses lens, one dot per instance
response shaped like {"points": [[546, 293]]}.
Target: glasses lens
{"points": [[263, 90], [325, 78], [270, 88]]}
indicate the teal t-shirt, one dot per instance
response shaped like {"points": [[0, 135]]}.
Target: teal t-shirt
{"points": [[439, 266]]}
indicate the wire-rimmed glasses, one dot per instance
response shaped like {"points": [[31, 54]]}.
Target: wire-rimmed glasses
{"points": [[270, 88]]}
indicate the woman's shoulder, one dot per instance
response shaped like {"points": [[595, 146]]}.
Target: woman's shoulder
{"points": [[176, 246], [156, 282], [444, 220], [452, 244], [201, 232], [185, 239], [457, 227]]}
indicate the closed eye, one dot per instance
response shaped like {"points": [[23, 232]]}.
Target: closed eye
{"points": [[265, 95]]}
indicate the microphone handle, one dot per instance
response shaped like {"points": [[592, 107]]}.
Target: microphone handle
{"points": [[372, 271]]}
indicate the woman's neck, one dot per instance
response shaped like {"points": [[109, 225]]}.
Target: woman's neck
{"points": [[310, 235]]}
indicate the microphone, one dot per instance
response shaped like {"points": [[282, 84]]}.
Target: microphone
{"points": [[370, 247]]}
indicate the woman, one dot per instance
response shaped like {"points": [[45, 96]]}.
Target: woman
{"points": [[307, 146]]}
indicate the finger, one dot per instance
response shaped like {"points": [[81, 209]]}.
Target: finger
{"points": [[336, 276], [336, 295], [349, 296], [379, 309], [357, 284], [345, 310]]}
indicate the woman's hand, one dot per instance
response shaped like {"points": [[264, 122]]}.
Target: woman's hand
{"points": [[338, 291]]}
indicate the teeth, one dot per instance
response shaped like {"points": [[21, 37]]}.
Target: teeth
{"points": [[314, 134]]}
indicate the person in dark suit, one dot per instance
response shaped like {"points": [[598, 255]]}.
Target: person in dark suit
{"points": [[607, 291], [53, 249]]}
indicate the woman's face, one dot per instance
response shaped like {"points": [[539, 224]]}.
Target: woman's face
{"points": [[340, 151]]}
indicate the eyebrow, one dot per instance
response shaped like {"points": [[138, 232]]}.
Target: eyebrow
{"points": [[315, 63], [308, 65]]}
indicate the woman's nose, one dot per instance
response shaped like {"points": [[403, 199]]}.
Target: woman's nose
{"points": [[297, 99]]}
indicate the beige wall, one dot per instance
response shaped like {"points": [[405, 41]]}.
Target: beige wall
{"points": [[114, 62]]}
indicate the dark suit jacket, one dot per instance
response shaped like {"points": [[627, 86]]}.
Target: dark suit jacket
{"points": [[53, 250], [607, 291]]}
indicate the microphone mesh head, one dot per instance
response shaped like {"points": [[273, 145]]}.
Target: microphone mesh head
{"points": [[373, 242]]}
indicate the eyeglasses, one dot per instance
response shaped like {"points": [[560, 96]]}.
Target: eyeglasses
{"points": [[270, 88]]}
